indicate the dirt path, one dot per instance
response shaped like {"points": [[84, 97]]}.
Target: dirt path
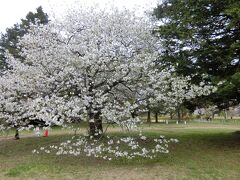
{"points": [[3, 138]]}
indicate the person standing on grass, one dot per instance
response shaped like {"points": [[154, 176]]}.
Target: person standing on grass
{"points": [[17, 134]]}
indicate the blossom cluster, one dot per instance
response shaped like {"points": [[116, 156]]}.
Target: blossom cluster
{"points": [[111, 148]]}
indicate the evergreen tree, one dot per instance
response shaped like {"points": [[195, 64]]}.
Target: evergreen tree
{"points": [[9, 40], [204, 37]]}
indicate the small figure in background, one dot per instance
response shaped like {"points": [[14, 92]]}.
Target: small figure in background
{"points": [[45, 134], [37, 131], [17, 135]]}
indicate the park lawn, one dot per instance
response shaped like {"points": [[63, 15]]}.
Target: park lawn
{"points": [[205, 151]]}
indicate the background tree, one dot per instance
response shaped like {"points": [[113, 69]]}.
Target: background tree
{"points": [[203, 37], [9, 40]]}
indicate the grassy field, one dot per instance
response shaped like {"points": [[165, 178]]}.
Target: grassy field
{"points": [[205, 151]]}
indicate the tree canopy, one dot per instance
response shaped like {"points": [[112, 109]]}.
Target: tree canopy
{"points": [[9, 40], [203, 37], [91, 65]]}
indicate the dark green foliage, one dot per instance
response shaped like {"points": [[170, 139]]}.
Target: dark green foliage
{"points": [[9, 40], [203, 36]]}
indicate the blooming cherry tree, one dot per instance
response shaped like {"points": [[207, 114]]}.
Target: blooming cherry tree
{"points": [[92, 64]]}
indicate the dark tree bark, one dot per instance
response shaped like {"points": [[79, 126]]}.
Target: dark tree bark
{"points": [[95, 125], [91, 124], [134, 114], [213, 114], [156, 117], [98, 124], [182, 115], [225, 114], [149, 116], [179, 114]]}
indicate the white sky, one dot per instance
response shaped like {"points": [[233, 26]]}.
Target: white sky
{"points": [[12, 11]]}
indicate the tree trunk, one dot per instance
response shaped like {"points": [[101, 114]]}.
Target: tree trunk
{"points": [[213, 114], [182, 115], [149, 116], [134, 114], [179, 114], [98, 124], [225, 114], [171, 115], [95, 125], [91, 124], [156, 117], [17, 134]]}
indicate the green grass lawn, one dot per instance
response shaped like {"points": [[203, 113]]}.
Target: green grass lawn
{"points": [[205, 151]]}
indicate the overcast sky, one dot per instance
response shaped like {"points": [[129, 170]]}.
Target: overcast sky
{"points": [[11, 11]]}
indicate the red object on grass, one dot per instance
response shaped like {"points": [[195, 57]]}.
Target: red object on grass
{"points": [[45, 133]]}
